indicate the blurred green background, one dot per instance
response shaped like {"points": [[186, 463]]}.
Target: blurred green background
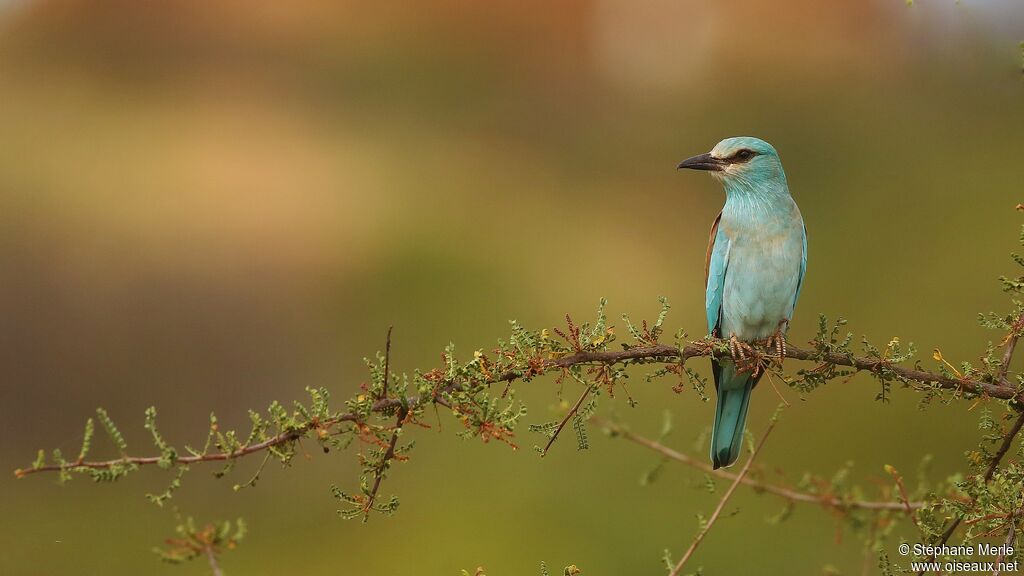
{"points": [[210, 205]]}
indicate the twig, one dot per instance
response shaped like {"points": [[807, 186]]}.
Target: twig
{"points": [[1011, 345], [212, 557], [1004, 447], [869, 551], [776, 389], [572, 412], [904, 498], [776, 490], [378, 473], [721, 503]]}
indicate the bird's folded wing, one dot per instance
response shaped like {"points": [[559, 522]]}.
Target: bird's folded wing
{"points": [[803, 269], [714, 275]]}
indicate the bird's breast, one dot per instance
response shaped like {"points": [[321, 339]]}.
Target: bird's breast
{"points": [[763, 271]]}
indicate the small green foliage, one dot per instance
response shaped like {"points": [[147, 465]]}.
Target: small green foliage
{"points": [[362, 504], [168, 455], [579, 425], [702, 522], [579, 422], [709, 484], [65, 475], [547, 429], [570, 570], [648, 335], [1015, 285], [892, 354], [40, 460], [86, 440], [163, 497], [782, 515], [652, 474], [209, 541], [115, 435], [886, 567], [829, 342]]}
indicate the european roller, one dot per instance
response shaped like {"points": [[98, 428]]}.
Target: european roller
{"points": [[756, 259]]}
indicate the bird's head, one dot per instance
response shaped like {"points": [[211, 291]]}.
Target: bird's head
{"points": [[741, 162]]}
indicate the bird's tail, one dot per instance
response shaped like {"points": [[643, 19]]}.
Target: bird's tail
{"points": [[733, 399]]}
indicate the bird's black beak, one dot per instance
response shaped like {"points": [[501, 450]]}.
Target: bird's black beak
{"points": [[702, 162]]}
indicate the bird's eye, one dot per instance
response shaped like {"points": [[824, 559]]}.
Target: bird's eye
{"points": [[744, 155]]}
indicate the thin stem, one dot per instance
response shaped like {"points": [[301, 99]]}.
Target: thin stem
{"points": [[721, 503], [1004, 447], [378, 473], [572, 412], [1011, 345], [774, 489], [212, 557]]}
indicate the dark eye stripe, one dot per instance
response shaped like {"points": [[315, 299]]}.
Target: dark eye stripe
{"points": [[742, 155]]}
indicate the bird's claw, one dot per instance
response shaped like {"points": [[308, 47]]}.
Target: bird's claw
{"points": [[778, 341], [744, 355]]}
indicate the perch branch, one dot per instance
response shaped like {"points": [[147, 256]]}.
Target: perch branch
{"points": [[659, 352]]}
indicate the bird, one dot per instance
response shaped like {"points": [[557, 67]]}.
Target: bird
{"points": [[754, 270]]}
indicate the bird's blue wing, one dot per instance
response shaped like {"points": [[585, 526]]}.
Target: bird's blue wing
{"points": [[714, 270], [803, 268]]}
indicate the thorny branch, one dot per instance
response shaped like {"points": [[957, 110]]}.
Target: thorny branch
{"points": [[657, 352], [989, 473], [1011, 343]]}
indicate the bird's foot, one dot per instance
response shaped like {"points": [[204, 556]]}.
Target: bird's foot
{"points": [[778, 341], [745, 356]]}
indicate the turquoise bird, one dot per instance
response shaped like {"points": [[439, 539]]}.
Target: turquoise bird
{"points": [[756, 260]]}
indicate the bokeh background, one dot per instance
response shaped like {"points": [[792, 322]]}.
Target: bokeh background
{"points": [[210, 205]]}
